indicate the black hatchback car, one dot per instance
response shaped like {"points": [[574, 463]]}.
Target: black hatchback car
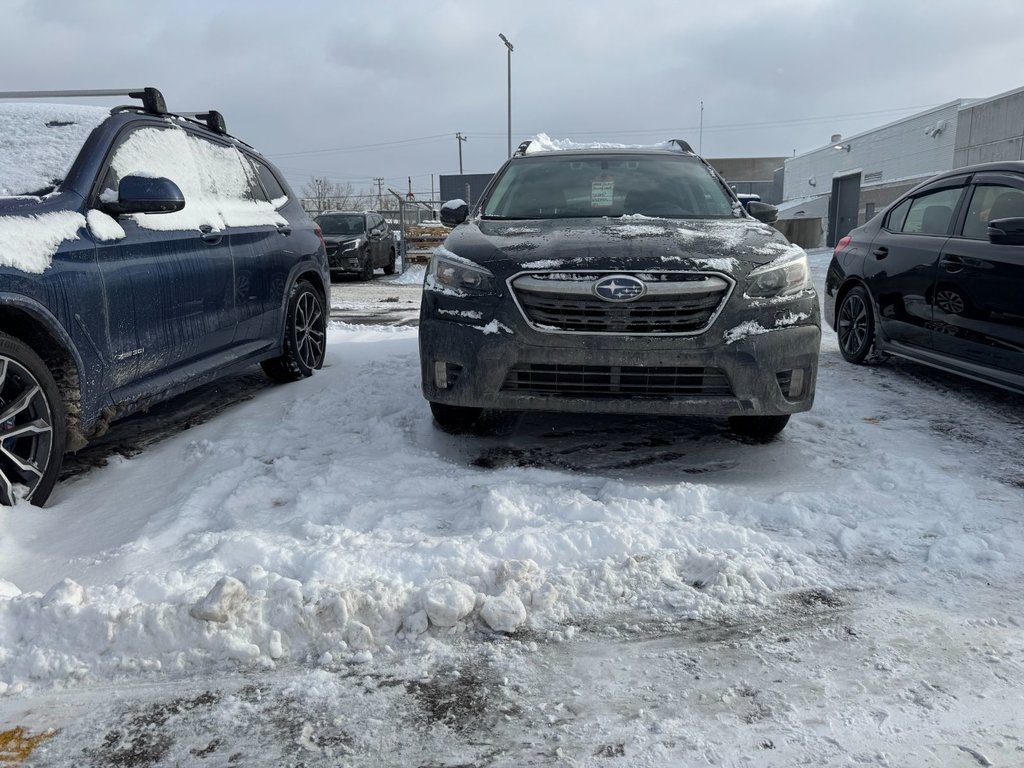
{"points": [[938, 277], [625, 280], [142, 253]]}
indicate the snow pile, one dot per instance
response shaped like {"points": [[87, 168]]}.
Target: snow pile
{"points": [[637, 230], [544, 143], [262, 537], [38, 143], [29, 242], [103, 227]]}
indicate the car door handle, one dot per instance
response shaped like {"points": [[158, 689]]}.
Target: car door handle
{"points": [[880, 253], [208, 234], [284, 229], [952, 264]]}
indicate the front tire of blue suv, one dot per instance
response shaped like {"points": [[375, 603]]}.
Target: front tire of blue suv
{"points": [[32, 425], [305, 336]]}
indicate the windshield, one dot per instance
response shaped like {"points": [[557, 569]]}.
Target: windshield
{"points": [[39, 142], [556, 187], [342, 224]]}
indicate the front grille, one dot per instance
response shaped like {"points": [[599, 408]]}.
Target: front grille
{"points": [[614, 381], [675, 303]]}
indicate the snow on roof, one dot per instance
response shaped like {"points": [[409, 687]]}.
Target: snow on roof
{"points": [[38, 143], [544, 143]]}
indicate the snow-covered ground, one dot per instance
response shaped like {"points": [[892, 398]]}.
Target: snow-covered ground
{"points": [[317, 576]]}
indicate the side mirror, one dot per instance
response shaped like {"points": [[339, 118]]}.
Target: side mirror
{"points": [[763, 212], [454, 212], [144, 194], [1006, 231]]}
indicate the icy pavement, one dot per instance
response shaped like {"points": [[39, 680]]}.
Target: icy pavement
{"points": [[316, 576]]}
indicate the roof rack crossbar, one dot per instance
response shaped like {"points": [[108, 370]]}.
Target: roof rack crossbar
{"points": [[152, 99]]}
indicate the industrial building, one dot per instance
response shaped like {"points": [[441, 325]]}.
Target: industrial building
{"points": [[841, 185]]}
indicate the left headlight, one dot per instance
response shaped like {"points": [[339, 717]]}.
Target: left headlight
{"points": [[780, 278], [453, 274]]}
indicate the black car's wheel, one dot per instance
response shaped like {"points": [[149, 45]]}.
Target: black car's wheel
{"points": [[455, 419], [32, 425], [366, 273], [390, 267], [758, 426], [460, 420], [305, 336], [855, 326]]}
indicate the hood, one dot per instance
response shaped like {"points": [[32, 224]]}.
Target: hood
{"points": [[341, 239], [627, 243]]}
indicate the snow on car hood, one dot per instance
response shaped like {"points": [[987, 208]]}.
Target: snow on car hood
{"points": [[629, 241]]}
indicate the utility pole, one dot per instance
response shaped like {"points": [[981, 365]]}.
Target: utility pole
{"points": [[700, 135], [509, 46], [460, 139], [379, 180]]}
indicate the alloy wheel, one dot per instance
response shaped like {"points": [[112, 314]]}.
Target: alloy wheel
{"points": [[310, 335], [26, 431], [853, 324]]}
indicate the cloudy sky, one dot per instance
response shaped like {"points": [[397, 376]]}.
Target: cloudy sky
{"points": [[351, 91]]}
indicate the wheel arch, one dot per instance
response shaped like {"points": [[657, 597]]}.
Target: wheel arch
{"points": [[36, 327], [845, 288]]}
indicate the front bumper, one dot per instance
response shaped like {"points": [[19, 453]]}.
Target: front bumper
{"points": [[477, 362]]}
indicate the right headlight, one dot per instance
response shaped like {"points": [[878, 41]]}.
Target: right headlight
{"points": [[455, 275], [780, 278]]}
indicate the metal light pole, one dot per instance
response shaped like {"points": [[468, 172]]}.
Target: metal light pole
{"points": [[509, 46]]}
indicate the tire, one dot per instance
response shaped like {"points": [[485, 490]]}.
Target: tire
{"points": [[460, 420], [305, 336], [855, 327], [455, 419], [33, 428], [761, 427], [390, 268], [366, 273]]}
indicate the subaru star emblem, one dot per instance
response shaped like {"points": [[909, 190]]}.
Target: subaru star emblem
{"points": [[620, 288]]}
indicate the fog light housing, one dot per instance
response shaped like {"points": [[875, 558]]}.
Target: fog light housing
{"points": [[792, 382], [446, 374]]}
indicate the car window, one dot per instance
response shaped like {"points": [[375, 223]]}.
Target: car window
{"points": [[341, 223], [931, 213], [214, 178], [582, 186], [897, 216], [990, 202], [275, 191]]}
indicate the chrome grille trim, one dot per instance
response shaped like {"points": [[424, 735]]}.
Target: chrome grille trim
{"points": [[677, 302]]}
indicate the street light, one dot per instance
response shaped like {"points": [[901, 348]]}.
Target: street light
{"points": [[509, 46]]}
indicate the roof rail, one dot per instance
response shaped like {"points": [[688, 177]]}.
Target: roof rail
{"points": [[521, 149], [152, 99], [683, 145]]}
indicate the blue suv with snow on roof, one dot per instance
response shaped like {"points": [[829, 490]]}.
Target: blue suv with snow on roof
{"points": [[142, 253], [616, 280]]}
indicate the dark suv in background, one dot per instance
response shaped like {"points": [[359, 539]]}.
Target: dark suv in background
{"points": [[357, 243], [142, 253], [616, 281], [938, 277]]}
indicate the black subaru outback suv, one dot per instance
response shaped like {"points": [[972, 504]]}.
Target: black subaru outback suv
{"points": [[142, 253], [616, 280]]}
